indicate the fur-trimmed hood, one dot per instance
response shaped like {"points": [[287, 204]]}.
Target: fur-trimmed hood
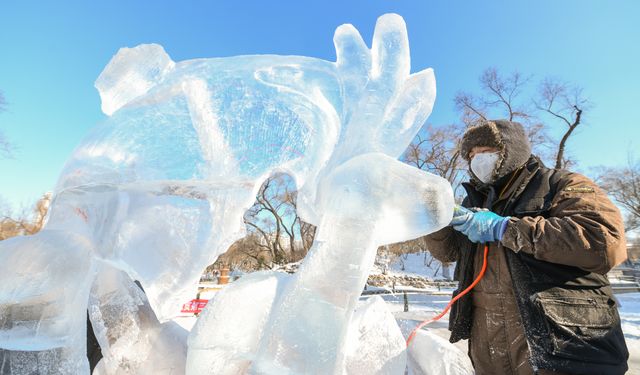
{"points": [[507, 136]]}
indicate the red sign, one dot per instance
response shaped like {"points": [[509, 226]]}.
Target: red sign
{"points": [[195, 306]]}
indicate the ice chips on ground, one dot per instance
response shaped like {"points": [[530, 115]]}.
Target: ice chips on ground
{"points": [[374, 343], [430, 354]]}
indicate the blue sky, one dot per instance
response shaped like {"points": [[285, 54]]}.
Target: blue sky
{"points": [[52, 52]]}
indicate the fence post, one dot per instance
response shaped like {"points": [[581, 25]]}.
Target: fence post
{"points": [[406, 302]]}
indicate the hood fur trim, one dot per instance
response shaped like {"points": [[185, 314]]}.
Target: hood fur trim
{"points": [[508, 137]]}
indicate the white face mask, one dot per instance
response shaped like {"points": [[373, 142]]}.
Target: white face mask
{"points": [[484, 164]]}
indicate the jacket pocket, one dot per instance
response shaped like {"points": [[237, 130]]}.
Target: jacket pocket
{"points": [[532, 207], [583, 328]]}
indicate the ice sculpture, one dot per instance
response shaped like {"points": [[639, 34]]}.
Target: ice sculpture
{"points": [[158, 191], [433, 355]]}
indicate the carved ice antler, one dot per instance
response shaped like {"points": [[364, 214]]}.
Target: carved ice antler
{"points": [[384, 105]]}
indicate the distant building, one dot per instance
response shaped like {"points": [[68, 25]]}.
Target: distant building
{"points": [[633, 252]]}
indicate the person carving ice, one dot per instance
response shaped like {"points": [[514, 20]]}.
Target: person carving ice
{"points": [[544, 305]]}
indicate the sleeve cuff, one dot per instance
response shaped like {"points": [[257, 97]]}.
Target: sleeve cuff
{"points": [[511, 238]]}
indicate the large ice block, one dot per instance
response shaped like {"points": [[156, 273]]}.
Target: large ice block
{"points": [[374, 343], [131, 338], [44, 288], [430, 354]]}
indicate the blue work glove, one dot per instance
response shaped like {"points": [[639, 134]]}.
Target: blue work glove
{"points": [[479, 225]]}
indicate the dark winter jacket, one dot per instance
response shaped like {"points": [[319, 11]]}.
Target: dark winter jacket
{"points": [[549, 269]]}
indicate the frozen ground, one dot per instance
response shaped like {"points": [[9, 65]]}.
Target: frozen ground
{"points": [[630, 315], [417, 264], [423, 306]]}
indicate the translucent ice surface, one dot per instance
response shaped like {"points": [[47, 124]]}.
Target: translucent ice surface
{"points": [[360, 199], [430, 354], [368, 200], [374, 343], [158, 190], [131, 338]]}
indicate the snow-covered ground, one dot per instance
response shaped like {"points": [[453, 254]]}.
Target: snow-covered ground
{"points": [[424, 303], [416, 264], [630, 316], [423, 306]]}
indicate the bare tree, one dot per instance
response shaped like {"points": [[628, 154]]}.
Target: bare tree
{"points": [[623, 185], [244, 255], [12, 224], [435, 150], [499, 93], [263, 219], [307, 231], [501, 97], [276, 234], [564, 103], [401, 250], [275, 224], [504, 96], [5, 145], [3, 102]]}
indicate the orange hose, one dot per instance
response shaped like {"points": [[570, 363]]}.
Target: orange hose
{"points": [[454, 299]]}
